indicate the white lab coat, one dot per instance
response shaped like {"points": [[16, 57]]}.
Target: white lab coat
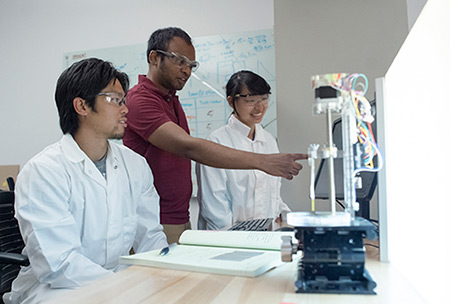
{"points": [[227, 196], [76, 224]]}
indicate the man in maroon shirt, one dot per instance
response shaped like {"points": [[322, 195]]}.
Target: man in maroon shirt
{"points": [[158, 130]]}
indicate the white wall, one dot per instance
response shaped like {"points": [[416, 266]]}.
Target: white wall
{"points": [[35, 34], [321, 37], [416, 110]]}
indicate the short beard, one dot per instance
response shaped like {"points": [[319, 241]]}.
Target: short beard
{"points": [[116, 136]]}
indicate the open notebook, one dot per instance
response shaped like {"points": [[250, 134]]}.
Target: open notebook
{"points": [[240, 253]]}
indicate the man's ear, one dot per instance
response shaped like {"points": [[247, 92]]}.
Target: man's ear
{"points": [[80, 106], [153, 57]]}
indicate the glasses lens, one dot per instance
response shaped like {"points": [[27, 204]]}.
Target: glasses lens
{"points": [[122, 101], [113, 97], [194, 66], [179, 60], [252, 100], [183, 62]]}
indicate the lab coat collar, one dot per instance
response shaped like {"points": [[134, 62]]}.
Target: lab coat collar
{"points": [[243, 129], [75, 154], [71, 149]]}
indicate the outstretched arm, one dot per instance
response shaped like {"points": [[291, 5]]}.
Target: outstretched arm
{"points": [[170, 137]]}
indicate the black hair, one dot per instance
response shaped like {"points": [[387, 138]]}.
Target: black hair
{"points": [[84, 79], [255, 84], [161, 38]]}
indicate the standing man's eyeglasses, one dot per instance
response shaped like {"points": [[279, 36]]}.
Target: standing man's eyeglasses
{"points": [[180, 60]]}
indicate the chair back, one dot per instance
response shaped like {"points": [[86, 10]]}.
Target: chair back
{"points": [[11, 183], [10, 239]]}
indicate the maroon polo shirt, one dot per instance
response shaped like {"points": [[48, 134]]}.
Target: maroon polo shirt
{"points": [[149, 108]]}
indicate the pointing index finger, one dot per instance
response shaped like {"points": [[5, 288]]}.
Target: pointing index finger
{"points": [[298, 156]]}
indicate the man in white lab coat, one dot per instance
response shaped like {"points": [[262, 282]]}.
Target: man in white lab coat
{"points": [[84, 201]]}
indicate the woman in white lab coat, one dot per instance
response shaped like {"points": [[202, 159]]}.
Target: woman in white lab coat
{"points": [[229, 196]]}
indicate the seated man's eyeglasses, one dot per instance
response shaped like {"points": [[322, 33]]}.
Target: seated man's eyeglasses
{"points": [[180, 60], [113, 97], [251, 100]]}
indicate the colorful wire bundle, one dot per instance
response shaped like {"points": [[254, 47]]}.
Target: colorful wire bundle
{"points": [[361, 110]]}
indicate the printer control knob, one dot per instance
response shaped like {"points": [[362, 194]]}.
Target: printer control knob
{"points": [[287, 248]]}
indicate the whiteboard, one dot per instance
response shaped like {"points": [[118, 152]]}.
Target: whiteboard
{"points": [[203, 97]]}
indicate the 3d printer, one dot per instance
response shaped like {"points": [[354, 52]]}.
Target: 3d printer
{"points": [[332, 242]]}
